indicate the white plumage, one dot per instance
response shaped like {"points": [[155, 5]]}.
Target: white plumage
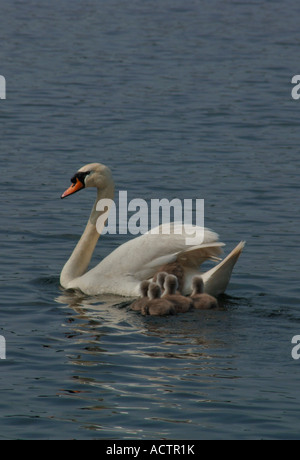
{"points": [[140, 258]]}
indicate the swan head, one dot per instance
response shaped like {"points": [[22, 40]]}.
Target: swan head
{"points": [[90, 175], [154, 291], [171, 284], [197, 285]]}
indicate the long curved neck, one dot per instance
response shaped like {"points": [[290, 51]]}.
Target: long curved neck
{"points": [[79, 261]]}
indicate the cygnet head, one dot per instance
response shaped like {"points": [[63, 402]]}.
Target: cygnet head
{"points": [[90, 175], [144, 286], [171, 284], [154, 291], [161, 276], [198, 285]]}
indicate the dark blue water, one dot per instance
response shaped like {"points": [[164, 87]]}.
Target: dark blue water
{"points": [[180, 99]]}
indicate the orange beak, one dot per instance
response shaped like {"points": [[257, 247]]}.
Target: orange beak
{"points": [[73, 189]]}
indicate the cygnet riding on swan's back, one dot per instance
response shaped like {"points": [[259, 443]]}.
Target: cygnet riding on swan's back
{"points": [[160, 279], [157, 306], [122, 271], [202, 301], [138, 304], [182, 304]]}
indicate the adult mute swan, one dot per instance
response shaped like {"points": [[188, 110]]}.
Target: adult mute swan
{"points": [[141, 258]]}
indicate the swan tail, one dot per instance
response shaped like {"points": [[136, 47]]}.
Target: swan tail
{"points": [[217, 279]]}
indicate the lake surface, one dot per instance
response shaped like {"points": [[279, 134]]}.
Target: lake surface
{"points": [[180, 100]]}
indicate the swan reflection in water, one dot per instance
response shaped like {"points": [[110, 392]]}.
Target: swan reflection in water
{"points": [[110, 311], [120, 361]]}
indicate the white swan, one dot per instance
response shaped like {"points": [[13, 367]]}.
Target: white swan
{"points": [[141, 258]]}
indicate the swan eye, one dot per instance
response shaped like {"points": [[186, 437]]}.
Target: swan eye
{"points": [[88, 173], [80, 176]]}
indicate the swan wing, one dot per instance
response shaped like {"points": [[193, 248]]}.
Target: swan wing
{"points": [[217, 278], [122, 271], [173, 247], [140, 258]]}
